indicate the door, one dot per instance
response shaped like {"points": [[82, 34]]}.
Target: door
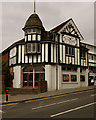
{"points": [[27, 79], [39, 76], [31, 79]]}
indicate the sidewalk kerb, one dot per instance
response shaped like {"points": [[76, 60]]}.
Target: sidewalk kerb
{"points": [[21, 101]]}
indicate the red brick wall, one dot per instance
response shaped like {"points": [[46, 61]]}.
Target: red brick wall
{"points": [[4, 75], [5, 58]]}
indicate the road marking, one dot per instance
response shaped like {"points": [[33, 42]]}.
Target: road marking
{"points": [[76, 92], [9, 104], [43, 106], [93, 94], [72, 109], [54, 104], [67, 101]]}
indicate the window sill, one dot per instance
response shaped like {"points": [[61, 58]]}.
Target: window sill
{"points": [[83, 58], [70, 55], [32, 53], [69, 83]]}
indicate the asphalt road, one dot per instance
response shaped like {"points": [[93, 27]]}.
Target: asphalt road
{"points": [[74, 105]]}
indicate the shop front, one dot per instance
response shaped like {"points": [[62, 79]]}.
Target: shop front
{"points": [[31, 77]]}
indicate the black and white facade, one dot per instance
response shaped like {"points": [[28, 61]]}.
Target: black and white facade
{"points": [[56, 56]]}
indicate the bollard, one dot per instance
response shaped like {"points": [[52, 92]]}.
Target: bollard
{"points": [[6, 95]]}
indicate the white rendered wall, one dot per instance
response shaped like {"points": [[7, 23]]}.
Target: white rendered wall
{"points": [[70, 84], [50, 77], [59, 77], [17, 77], [85, 73]]}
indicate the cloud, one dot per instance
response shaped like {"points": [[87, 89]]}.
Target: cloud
{"points": [[15, 14]]}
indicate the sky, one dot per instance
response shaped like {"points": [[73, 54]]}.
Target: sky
{"points": [[14, 15]]}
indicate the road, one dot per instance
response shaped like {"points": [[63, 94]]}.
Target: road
{"points": [[73, 105]]}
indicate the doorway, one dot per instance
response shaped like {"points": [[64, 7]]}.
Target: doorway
{"points": [[30, 79]]}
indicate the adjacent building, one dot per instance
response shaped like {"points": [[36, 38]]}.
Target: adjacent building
{"points": [[91, 62]]}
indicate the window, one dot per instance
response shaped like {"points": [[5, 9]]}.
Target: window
{"points": [[73, 78], [66, 78], [69, 69], [28, 47], [67, 50], [82, 53], [92, 57], [70, 50], [34, 37], [25, 38], [82, 78], [38, 47], [73, 51], [29, 37], [69, 78], [32, 48], [38, 37]]}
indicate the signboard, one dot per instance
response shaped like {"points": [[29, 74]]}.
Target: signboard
{"points": [[66, 78], [69, 40]]}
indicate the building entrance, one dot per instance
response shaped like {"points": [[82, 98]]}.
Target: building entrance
{"points": [[31, 79]]}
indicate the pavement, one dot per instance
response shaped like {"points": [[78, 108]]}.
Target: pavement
{"points": [[21, 97]]}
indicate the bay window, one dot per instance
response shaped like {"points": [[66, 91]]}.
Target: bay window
{"points": [[32, 48]]}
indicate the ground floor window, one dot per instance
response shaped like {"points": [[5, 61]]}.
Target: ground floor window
{"points": [[31, 79], [73, 78], [82, 77], [69, 78], [65, 78]]}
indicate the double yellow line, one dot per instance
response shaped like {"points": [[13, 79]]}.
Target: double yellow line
{"points": [[66, 94]]}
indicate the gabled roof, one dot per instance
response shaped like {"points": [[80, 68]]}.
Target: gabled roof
{"points": [[56, 29], [22, 41], [59, 27]]}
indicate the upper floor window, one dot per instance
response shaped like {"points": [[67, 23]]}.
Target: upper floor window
{"points": [[32, 48], [70, 50], [33, 37], [12, 52], [95, 57], [83, 54], [92, 57]]}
